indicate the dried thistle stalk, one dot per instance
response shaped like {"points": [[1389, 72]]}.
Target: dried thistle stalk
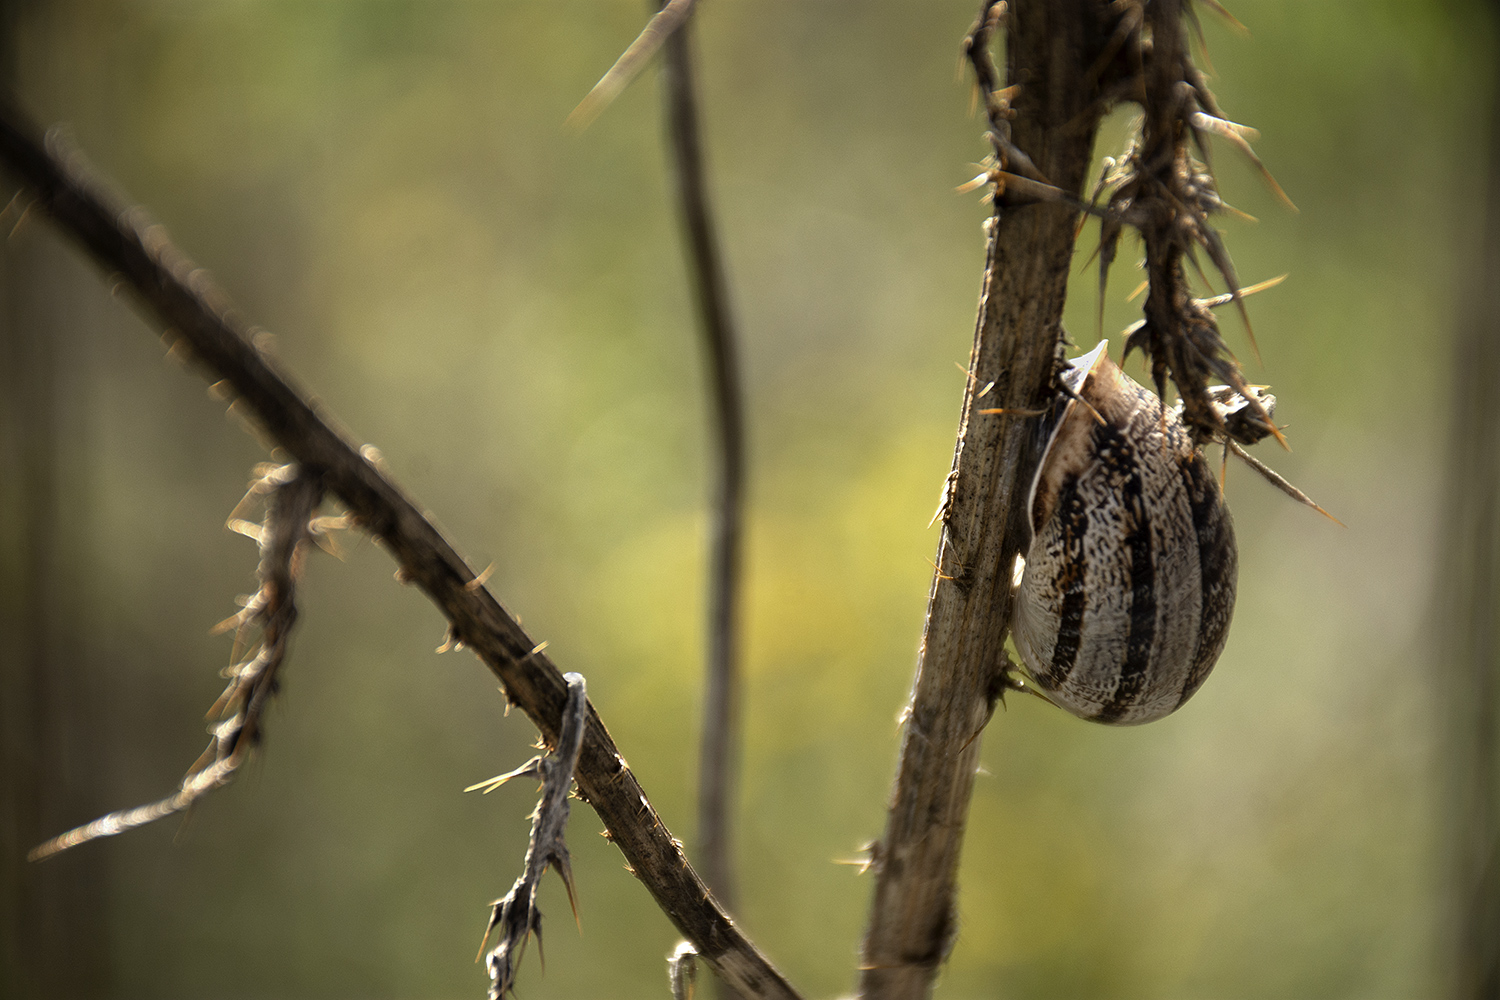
{"points": [[1160, 189], [292, 497], [516, 914]]}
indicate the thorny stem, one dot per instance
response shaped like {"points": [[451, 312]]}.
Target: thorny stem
{"points": [[720, 742], [1053, 117], [516, 915], [201, 322], [294, 497], [1169, 197], [1067, 62]]}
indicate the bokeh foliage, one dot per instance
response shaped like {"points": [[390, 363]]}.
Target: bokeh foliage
{"points": [[499, 305]]}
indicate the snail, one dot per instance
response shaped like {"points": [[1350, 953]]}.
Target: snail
{"points": [[1124, 600]]}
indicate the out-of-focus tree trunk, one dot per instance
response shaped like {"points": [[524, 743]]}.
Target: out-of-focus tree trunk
{"points": [[52, 919], [1469, 612]]}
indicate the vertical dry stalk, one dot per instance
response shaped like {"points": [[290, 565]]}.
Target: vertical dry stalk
{"points": [[1051, 47], [720, 743], [1469, 618]]}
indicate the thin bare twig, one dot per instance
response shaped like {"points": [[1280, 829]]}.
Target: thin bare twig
{"points": [[283, 537], [682, 972], [1051, 44], [719, 749], [200, 320], [516, 914], [664, 24]]}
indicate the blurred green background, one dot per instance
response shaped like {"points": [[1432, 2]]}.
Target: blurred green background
{"points": [[499, 304]]}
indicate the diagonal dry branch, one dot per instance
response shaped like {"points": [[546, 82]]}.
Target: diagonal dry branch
{"points": [[201, 323], [662, 26]]}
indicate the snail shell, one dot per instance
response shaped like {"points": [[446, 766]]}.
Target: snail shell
{"points": [[1128, 587]]}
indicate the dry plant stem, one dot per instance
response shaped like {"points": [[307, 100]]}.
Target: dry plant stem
{"points": [[672, 16], [1468, 617], [912, 925], [294, 498], [516, 915], [720, 744], [1167, 195], [682, 972], [200, 322]]}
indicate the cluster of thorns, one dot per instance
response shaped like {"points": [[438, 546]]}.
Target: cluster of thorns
{"points": [[1166, 194], [261, 629]]}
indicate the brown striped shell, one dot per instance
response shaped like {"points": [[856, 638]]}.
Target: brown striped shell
{"points": [[1128, 587]]}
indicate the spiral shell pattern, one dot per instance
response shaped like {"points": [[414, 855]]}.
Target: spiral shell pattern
{"points": [[1129, 582]]}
